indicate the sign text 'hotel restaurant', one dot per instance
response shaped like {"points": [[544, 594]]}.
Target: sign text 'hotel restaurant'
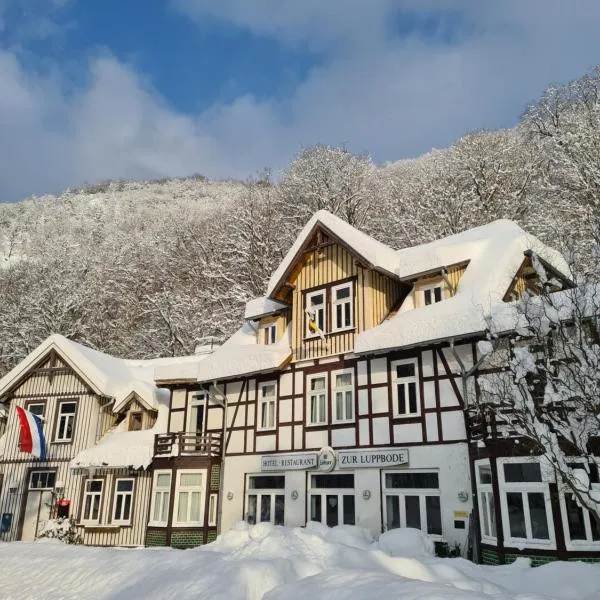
{"points": [[345, 459]]}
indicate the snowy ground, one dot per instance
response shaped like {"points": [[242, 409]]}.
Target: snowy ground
{"points": [[277, 563]]}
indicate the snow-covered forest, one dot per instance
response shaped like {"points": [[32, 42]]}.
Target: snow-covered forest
{"points": [[143, 269]]}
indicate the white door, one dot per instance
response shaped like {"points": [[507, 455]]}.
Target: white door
{"points": [[38, 504]]}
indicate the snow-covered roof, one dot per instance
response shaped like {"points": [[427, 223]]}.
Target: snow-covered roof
{"points": [[374, 253], [120, 448], [241, 354], [109, 376], [261, 307], [494, 252]]}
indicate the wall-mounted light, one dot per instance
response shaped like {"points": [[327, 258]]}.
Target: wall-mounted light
{"points": [[294, 495], [229, 495], [463, 496], [366, 494], [13, 486], [59, 485]]}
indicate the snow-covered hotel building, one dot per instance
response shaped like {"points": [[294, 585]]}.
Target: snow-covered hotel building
{"points": [[345, 397]]}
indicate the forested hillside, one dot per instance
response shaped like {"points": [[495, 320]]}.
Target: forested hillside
{"points": [[143, 269]]}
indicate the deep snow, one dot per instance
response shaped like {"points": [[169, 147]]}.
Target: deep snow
{"points": [[279, 563]]}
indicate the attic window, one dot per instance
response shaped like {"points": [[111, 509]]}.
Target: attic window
{"points": [[135, 421], [432, 295], [270, 334]]}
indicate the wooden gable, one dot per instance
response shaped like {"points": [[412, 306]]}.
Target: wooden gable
{"points": [[528, 280]]}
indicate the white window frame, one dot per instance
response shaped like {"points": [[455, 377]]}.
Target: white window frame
{"points": [[189, 490], [343, 390], [321, 307], [163, 491], [335, 303], [260, 492], [422, 288], [323, 492], [196, 399], [42, 404], [485, 516], [45, 472], [269, 403], [68, 416], [309, 396], [588, 543], [406, 380], [87, 520], [124, 495], [422, 493], [213, 502], [525, 488], [269, 334]]}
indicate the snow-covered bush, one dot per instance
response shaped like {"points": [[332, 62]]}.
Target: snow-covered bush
{"points": [[62, 529]]}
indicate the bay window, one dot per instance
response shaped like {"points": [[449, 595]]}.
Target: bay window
{"points": [[527, 516], [161, 497], [189, 498]]}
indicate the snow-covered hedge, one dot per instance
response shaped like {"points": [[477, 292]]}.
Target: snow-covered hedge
{"points": [[62, 529]]}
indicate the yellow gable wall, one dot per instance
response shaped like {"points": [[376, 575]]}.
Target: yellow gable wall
{"points": [[374, 296]]}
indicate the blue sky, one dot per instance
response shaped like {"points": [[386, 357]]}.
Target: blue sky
{"points": [[98, 89]]}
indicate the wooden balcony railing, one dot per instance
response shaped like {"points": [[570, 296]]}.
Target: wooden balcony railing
{"points": [[187, 444]]}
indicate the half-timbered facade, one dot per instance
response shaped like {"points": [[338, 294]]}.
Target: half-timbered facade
{"points": [[342, 397], [100, 415]]}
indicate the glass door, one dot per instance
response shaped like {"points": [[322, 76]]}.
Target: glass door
{"points": [[331, 499]]}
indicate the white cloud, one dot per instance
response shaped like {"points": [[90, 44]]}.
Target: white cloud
{"points": [[393, 97]]}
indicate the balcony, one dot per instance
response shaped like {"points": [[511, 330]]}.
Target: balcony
{"points": [[187, 444]]}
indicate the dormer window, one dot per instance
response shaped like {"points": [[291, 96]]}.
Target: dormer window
{"points": [[270, 334], [342, 306], [315, 313], [432, 295]]}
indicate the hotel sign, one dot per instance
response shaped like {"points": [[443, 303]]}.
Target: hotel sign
{"points": [[289, 462], [355, 459]]}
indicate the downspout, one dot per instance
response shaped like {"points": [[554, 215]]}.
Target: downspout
{"points": [[223, 403]]}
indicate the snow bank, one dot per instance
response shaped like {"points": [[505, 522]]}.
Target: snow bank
{"points": [[280, 563]]}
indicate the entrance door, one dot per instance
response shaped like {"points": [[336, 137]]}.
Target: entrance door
{"points": [[332, 499], [38, 504]]}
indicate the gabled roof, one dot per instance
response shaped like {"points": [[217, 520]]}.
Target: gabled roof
{"points": [[373, 253], [106, 375], [494, 252]]}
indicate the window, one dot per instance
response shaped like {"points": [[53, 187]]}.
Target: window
{"points": [[196, 415], [331, 499], [270, 334], [581, 529], [487, 508], [92, 499], [135, 421], [123, 501], [342, 301], [405, 388], [42, 480], [412, 499], [525, 503], [267, 400], [317, 400], [315, 313], [343, 396], [212, 510], [161, 498], [66, 420], [188, 498], [432, 295], [36, 409], [265, 499]]}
